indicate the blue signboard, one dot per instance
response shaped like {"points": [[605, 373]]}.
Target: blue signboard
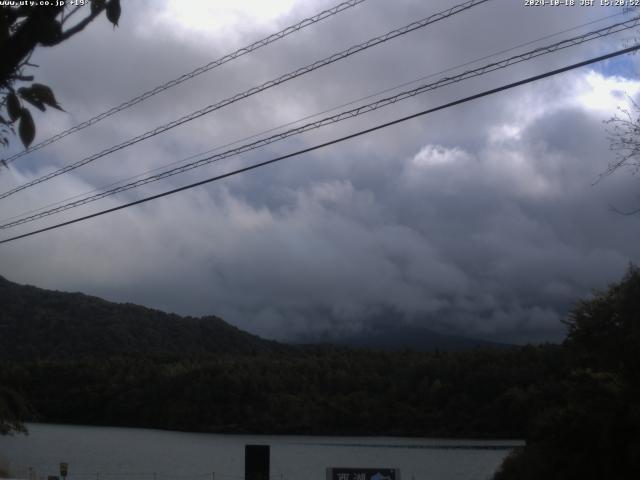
{"points": [[363, 474]]}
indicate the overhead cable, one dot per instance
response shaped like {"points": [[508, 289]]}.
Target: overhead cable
{"points": [[331, 142], [194, 73], [307, 117], [252, 91], [370, 107]]}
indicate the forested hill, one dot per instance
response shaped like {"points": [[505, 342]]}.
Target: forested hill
{"points": [[397, 336], [44, 324], [576, 403]]}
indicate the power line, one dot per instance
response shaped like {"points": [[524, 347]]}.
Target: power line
{"points": [[187, 76], [615, 28], [332, 142], [252, 91], [288, 124]]}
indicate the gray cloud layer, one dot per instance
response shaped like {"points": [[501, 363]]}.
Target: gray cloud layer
{"points": [[480, 219]]}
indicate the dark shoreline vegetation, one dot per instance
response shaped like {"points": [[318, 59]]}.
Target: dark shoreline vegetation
{"points": [[577, 404], [311, 391]]}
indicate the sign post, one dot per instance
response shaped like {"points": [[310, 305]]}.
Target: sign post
{"points": [[257, 459]]}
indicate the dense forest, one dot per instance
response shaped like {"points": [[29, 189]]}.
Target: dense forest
{"points": [[577, 404], [311, 391]]}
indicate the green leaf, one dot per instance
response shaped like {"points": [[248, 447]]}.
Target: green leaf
{"points": [[44, 95], [113, 11], [26, 128], [13, 106], [96, 6], [30, 97]]}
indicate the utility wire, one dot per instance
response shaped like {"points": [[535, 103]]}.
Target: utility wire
{"points": [[332, 142], [194, 73], [252, 91], [337, 118], [308, 117]]}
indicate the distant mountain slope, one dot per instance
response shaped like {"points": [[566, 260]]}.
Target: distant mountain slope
{"points": [[415, 338], [44, 324]]}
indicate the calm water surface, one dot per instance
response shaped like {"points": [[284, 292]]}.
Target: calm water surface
{"points": [[106, 453]]}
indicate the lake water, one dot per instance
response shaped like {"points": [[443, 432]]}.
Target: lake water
{"points": [[105, 453]]}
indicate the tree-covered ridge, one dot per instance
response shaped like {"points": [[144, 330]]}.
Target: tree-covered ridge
{"points": [[43, 324], [80, 359], [308, 391], [577, 404]]}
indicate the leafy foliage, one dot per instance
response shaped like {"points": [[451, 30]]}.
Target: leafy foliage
{"points": [[113, 12], [22, 29], [593, 430], [13, 410]]}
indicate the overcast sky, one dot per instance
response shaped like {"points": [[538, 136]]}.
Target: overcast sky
{"points": [[481, 219]]}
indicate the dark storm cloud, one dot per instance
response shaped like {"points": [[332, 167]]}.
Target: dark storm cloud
{"points": [[480, 219]]}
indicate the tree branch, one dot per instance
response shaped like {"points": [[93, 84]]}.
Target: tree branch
{"points": [[78, 27], [73, 12]]}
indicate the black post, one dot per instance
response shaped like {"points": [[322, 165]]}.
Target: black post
{"points": [[256, 462]]}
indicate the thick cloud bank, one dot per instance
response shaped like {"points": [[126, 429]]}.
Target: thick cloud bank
{"points": [[482, 219]]}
